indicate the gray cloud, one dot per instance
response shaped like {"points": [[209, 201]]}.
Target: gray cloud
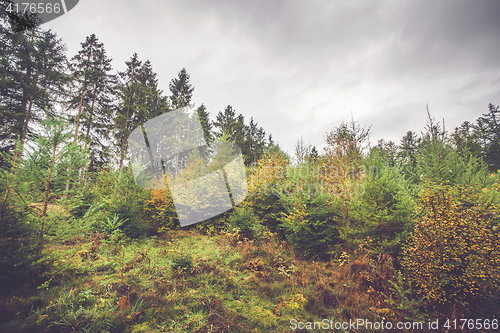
{"points": [[302, 67]]}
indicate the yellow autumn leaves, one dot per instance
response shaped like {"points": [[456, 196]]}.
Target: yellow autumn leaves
{"points": [[454, 256]]}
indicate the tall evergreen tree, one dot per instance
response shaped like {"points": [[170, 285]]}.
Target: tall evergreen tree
{"points": [[466, 137], [181, 90], [92, 98], [140, 100], [255, 142], [489, 132], [33, 78], [226, 122], [206, 124]]}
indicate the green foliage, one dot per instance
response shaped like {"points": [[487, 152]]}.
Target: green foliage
{"points": [[380, 216], [112, 224], [122, 199], [245, 220], [19, 248], [266, 181], [401, 299], [311, 225], [48, 161], [182, 263]]}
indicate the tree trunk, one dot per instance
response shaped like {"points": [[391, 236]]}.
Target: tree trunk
{"points": [[66, 190]]}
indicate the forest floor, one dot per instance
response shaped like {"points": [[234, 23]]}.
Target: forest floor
{"points": [[184, 281]]}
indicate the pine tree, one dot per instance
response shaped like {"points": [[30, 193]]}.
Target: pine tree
{"points": [[32, 79], [18, 21], [245, 137], [489, 132], [181, 90], [140, 100], [156, 103], [226, 122], [206, 124], [466, 137], [255, 142], [92, 97], [408, 150]]}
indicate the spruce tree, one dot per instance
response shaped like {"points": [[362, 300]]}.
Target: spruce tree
{"points": [[92, 98], [466, 137], [226, 122], [206, 124], [255, 142], [32, 79], [408, 150], [181, 90], [139, 101], [489, 132]]}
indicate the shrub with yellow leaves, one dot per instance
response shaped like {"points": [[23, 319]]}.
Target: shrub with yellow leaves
{"points": [[453, 259], [160, 211]]}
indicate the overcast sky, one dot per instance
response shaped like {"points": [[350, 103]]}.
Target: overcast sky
{"points": [[303, 67]]}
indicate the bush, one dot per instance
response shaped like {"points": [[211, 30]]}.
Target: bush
{"points": [[122, 198], [311, 226], [182, 263], [453, 259], [381, 215], [160, 211], [265, 183], [20, 249], [244, 219]]}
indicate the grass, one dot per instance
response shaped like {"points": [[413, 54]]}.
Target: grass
{"points": [[185, 281]]}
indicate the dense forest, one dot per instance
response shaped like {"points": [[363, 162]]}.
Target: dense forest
{"points": [[389, 232]]}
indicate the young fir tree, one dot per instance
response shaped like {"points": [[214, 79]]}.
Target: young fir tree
{"points": [[48, 160], [380, 209]]}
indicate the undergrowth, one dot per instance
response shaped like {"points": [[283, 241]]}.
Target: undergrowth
{"points": [[184, 281]]}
